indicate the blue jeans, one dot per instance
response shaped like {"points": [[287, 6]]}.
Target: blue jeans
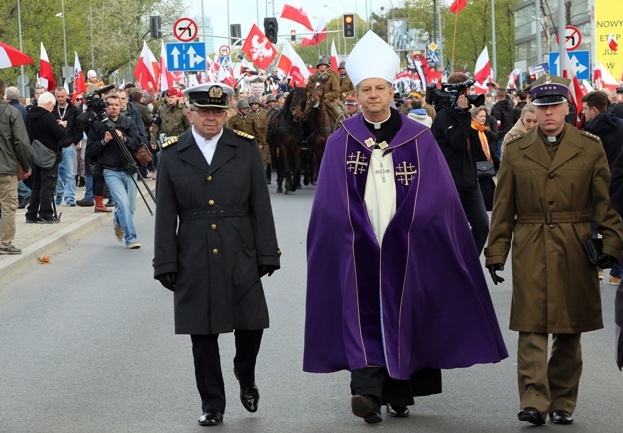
{"points": [[88, 194], [66, 184], [22, 190], [498, 146], [123, 191]]}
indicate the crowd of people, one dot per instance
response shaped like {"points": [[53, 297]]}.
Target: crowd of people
{"points": [[406, 187]]}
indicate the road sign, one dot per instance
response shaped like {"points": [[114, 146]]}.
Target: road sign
{"points": [[186, 57], [573, 38], [225, 62], [185, 29], [432, 57], [433, 46], [580, 60], [224, 50]]}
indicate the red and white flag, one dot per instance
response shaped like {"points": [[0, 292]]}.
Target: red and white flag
{"points": [[79, 84], [575, 90], [612, 42], [291, 64], [319, 35], [11, 56], [483, 67], [512, 79], [480, 89], [259, 49], [335, 60], [457, 6], [46, 74], [295, 14], [147, 71], [604, 79], [166, 78]]}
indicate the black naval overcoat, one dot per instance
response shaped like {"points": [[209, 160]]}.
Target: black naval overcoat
{"points": [[214, 228]]}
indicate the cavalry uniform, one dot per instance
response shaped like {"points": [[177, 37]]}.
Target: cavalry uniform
{"points": [[346, 85], [245, 123], [260, 118], [171, 121], [331, 82]]}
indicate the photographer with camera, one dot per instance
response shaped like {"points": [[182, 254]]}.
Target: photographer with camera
{"points": [[103, 148], [452, 129]]}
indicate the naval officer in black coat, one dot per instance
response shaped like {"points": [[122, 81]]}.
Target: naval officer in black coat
{"points": [[214, 239]]}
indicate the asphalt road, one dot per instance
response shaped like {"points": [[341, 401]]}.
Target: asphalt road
{"points": [[87, 345]]}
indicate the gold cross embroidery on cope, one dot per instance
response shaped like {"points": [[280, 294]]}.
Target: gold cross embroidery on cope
{"points": [[357, 163], [405, 172]]}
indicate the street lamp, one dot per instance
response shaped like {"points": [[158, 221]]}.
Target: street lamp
{"points": [[338, 28], [62, 15]]}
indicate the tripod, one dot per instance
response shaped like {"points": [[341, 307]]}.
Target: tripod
{"points": [[128, 159]]}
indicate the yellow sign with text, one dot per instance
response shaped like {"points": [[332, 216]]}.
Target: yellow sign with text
{"points": [[608, 27]]}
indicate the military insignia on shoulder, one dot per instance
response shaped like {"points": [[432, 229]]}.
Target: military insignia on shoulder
{"points": [[244, 134], [513, 138], [588, 134], [169, 142]]}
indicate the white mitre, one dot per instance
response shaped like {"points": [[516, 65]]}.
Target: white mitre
{"points": [[372, 57]]}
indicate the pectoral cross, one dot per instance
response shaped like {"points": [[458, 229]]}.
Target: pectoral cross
{"points": [[382, 172]]}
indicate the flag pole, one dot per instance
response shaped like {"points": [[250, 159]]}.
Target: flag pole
{"points": [[456, 18]]}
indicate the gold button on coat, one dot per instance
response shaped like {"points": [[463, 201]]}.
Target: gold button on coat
{"points": [[211, 202], [215, 251], [213, 226], [209, 177]]}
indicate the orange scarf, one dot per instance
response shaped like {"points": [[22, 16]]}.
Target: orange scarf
{"points": [[483, 139]]}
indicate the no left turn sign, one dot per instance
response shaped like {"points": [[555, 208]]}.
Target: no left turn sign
{"points": [[185, 29], [573, 38]]}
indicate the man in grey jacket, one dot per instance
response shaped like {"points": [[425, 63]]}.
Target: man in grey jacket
{"points": [[14, 150]]}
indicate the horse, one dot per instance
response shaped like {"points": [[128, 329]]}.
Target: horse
{"points": [[284, 134], [318, 124]]}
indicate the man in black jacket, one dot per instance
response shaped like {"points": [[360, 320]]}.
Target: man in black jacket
{"points": [[503, 112], [609, 128], [118, 173], [452, 128]]}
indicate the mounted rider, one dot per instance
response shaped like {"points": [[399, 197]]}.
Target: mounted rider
{"points": [[331, 81]]}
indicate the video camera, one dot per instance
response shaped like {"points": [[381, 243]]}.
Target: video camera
{"points": [[450, 92], [95, 102]]}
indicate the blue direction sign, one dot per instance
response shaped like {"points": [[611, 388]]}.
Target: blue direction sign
{"points": [[580, 60], [186, 57]]}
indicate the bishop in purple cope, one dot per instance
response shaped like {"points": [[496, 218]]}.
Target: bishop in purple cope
{"points": [[396, 301]]}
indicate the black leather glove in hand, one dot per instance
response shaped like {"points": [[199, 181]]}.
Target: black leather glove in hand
{"points": [[168, 280], [493, 269], [267, 270], [606, 261]]}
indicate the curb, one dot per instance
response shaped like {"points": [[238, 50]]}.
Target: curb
{"points": [[14, 265]]}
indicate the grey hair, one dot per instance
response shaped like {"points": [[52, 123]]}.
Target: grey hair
{"points": [[46, 98]]}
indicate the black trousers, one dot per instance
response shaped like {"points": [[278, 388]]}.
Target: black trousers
{"points": [[376, 382], [43, 191], [474, 207], [208, 365]]}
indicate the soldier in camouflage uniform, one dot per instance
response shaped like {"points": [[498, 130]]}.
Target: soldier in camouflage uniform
{"points": [[243, 121], [171, 120], [260, 118]]}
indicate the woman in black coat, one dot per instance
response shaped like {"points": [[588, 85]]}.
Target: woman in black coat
{"points": [[44, 127], [483, 140]]}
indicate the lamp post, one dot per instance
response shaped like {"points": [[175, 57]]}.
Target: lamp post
{"points": [[64, 32], [338, 28], [19, 27]]}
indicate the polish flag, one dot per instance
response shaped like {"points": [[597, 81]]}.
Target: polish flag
{"points": [[575, 90], [79, 84], [259, 49], [147, 71], [335, 61], [457, 6], [586, 87], [512, 79], [166, 78], [480, 89], [612, 42], [297, 15], [46, 74], [319, 35], [607, 80], [483, 67], [291, 64]]}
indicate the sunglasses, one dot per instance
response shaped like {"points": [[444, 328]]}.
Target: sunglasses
{"points": [[79, 99]]}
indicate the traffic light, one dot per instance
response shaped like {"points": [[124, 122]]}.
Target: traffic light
{"points": [[271, 29], [235, 33], [154, 26], [349, 25], [293, 35]]}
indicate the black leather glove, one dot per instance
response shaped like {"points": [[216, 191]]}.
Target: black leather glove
{"points": [[267, 270], [168, 280], [606, 261], [493, 269]]}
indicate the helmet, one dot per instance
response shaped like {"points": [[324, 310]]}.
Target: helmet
{"points": [[271, 98], [324, 60], [255, 100], [242, 103], [342, 65]]}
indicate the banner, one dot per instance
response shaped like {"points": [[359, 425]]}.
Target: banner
{"points": [[609, 22]]}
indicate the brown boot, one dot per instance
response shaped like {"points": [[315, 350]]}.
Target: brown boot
{"points": [[99, 204]]}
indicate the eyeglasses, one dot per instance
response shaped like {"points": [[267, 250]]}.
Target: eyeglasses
{"points": [[79, 99]]}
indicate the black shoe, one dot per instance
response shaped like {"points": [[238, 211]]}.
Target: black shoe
{"points": [[561, 417], [397, 411], [49, 220], [211, 417], [24, 202], [250, 398], [531, 415], [365, 407], [85, 202], [31, 221], [110, 203]]}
